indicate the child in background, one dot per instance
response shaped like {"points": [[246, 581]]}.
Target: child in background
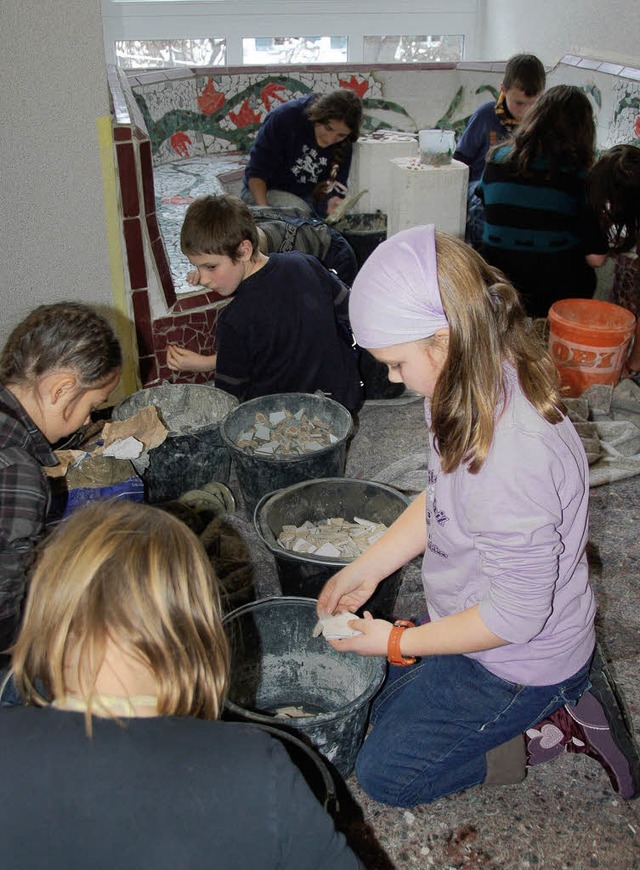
{"points": [[614, 193], [116, 760], [539, 229], [524, 81], [491, 123], [503, 525], [59, 364], [286, 328], [301, 155]]}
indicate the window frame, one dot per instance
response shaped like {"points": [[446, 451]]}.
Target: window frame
{"points": [[234, 19]]}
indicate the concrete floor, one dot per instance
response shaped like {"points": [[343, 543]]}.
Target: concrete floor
{"points": [[565, 814]]}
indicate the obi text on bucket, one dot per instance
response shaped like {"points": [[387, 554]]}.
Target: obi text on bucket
{"points": [[582, 356]]}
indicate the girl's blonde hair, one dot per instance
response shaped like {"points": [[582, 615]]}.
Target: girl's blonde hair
{"points": [[487, 325], [136, 576]]}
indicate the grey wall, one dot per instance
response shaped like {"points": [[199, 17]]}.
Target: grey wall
{"points": [[53, 242], [551, 28]]}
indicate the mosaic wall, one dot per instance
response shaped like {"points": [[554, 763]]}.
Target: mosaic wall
{"points": [[209, 114], [172, 119], [625, 126]]}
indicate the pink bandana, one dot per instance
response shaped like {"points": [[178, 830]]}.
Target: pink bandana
{"points": [[395, 297]]}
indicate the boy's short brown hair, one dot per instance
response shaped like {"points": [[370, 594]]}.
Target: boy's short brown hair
{"points": [[217, 225], [525, 72]]}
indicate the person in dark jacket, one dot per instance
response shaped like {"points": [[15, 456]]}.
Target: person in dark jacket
{"points": [[117, 759], [539, 229], [613, 186], [493, 122], [286, 327], [301, 155]]}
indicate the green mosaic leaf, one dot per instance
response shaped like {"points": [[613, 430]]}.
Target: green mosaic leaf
{"points": [[384, 105], [491, 89], [445, 122], [626, 103], [593, 91]]}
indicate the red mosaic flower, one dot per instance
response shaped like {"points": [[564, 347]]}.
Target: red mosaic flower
{"points": [[637, 127], [353, 84], [180, 143], [270, 92], [245, 116], [210, 100]]}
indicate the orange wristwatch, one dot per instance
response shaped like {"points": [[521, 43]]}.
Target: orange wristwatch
{"points": [[394, 656]]}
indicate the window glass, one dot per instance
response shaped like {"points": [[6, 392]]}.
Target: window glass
{"points": [[294, 49], [413, 49], [160, 53]]}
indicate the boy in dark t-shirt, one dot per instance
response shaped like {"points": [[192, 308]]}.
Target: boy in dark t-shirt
{"points": [[286, 328]]}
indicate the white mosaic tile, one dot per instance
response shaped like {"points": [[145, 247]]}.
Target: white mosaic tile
{"points": [[625, 126], [169, 96], [176, 186]]}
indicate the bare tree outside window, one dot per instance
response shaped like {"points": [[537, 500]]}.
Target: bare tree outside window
{"points": [[163, 53], [413, 49], [294, 49]]}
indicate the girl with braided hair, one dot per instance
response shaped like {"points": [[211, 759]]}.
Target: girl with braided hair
{"points": [[59, 364]]}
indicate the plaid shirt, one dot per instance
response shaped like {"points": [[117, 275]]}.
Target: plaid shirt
{"points": [[24, 498]]}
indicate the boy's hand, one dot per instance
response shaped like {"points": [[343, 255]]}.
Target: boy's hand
{"points": [[179, 359], [193, 277]]}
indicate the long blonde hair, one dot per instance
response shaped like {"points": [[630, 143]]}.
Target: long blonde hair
{"points": [[136, 576], [487, 325]]}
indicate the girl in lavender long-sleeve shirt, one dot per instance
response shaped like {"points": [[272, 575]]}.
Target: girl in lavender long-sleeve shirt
{"points": [[507, 645], [511, 539]]}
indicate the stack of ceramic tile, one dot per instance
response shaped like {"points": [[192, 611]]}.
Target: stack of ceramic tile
{"points": [[282, 433], [335, 537]]}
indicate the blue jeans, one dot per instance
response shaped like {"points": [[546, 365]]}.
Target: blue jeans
{"points": [[434, 721]]}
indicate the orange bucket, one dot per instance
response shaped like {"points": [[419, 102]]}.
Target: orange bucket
{"points": [[588, 341]]}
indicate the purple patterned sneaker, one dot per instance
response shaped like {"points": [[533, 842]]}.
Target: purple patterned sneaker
{"points": [[596, 726], [548, 739]]}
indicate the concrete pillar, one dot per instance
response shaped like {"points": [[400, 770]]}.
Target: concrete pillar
{"points": [[421, 194], [370, 170]]}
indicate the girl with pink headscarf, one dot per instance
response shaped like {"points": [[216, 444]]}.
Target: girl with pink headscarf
{"points": [[508, 638]]}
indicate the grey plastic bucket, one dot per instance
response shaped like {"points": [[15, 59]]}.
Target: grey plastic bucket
{"points": [[258, 475], [276, 662], [315, 500], [364, 232], [193, 453]]}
